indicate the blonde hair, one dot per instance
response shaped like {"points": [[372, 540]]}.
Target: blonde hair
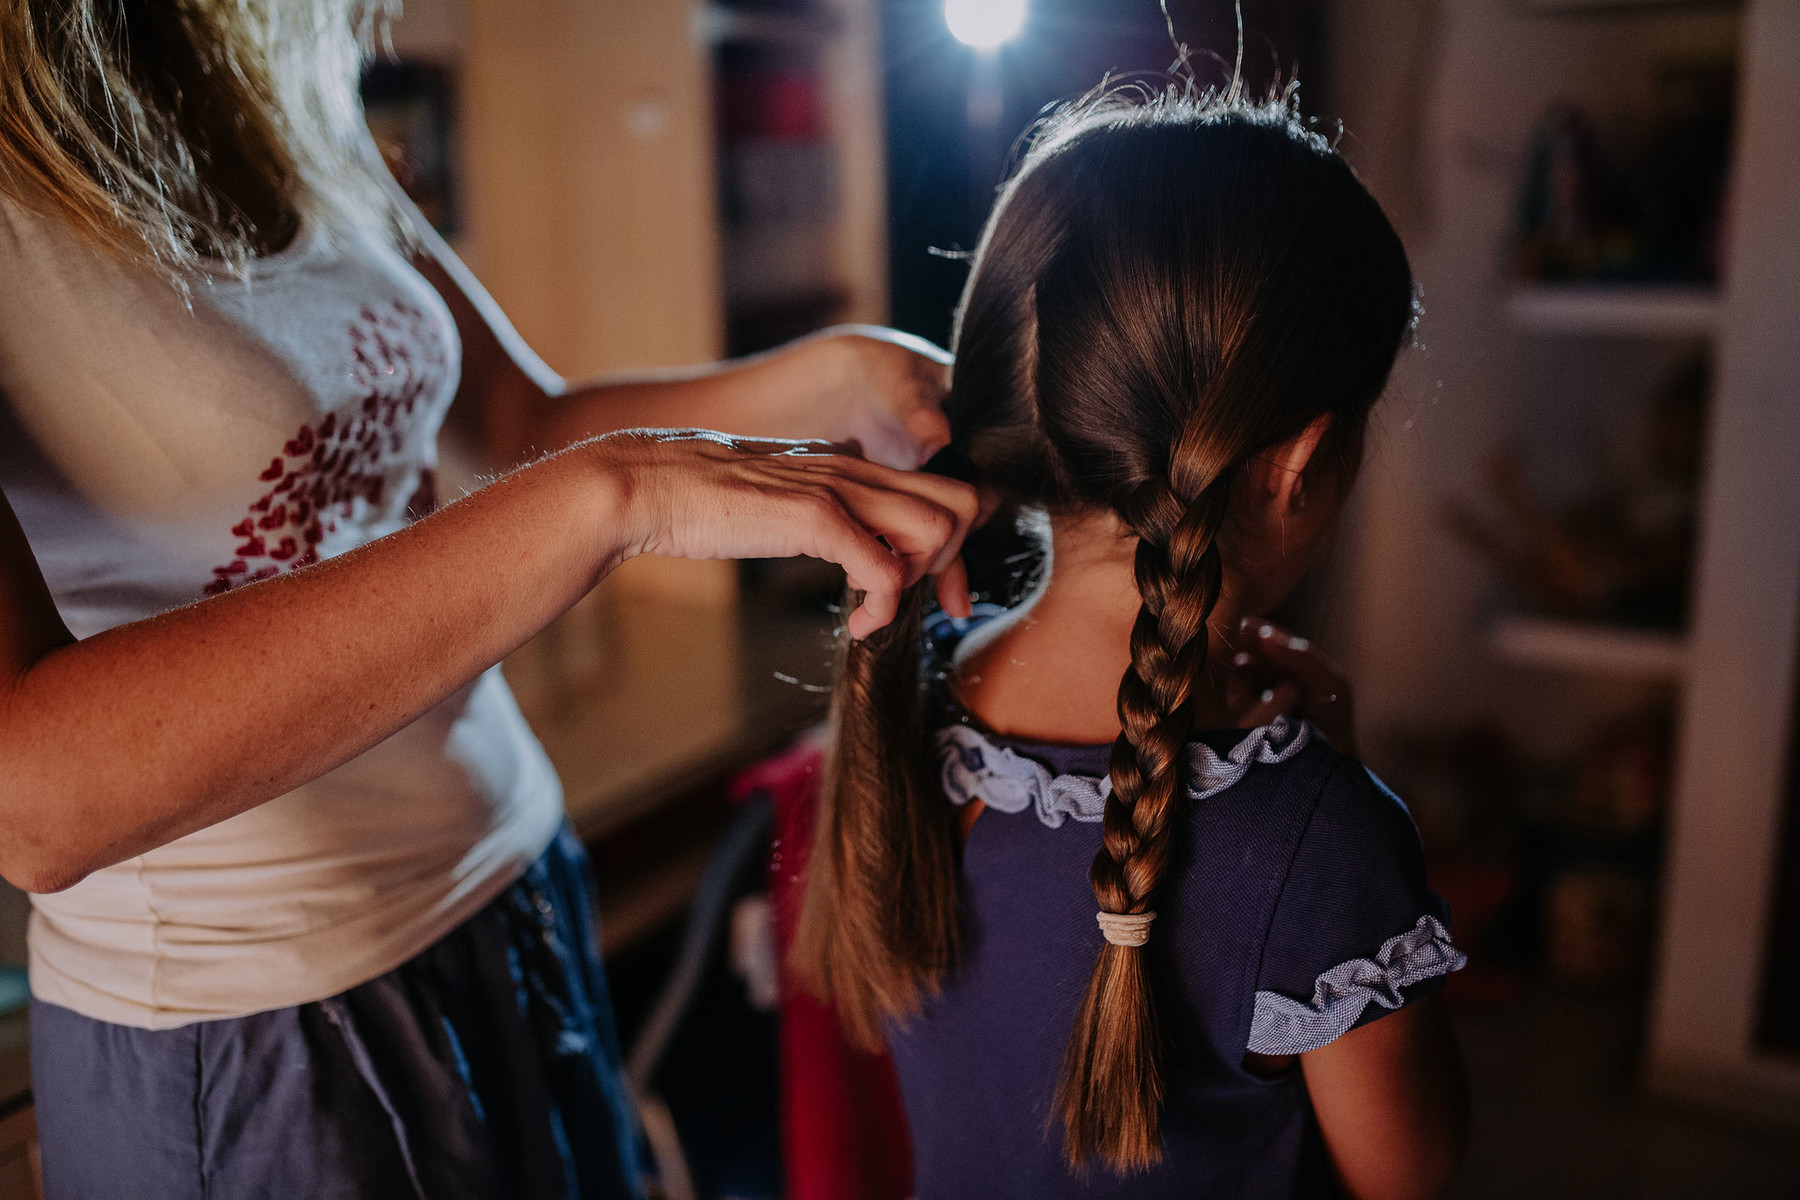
{"points": [[175, 132]]}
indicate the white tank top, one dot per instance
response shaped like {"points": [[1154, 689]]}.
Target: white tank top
{"points": [[158, 451]]}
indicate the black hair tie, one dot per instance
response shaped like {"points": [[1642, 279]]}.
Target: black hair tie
{"points": [[951, 463]]}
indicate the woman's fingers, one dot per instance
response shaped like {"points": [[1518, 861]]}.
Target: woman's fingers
{"points": [[705, 495], [890, 394], [921, 519], [830, 530], [953, 589], [925, 421], [929, 519], [920, 523], [963, 504]]}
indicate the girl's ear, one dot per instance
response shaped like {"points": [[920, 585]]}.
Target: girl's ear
{"points": [[1284, 473]]}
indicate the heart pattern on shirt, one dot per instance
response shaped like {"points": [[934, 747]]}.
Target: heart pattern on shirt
{"points": [[397, 357]]}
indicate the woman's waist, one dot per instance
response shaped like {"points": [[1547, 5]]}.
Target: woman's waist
{"points": [[312, 858], [433, 806], [328, 888]]}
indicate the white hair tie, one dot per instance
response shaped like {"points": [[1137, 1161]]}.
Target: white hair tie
{"points": [[1125, 929]]}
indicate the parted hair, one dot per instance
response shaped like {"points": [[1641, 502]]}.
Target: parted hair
{"points": [[1170, 283], [177, 132]]}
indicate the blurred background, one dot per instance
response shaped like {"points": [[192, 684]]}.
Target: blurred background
{"points": [[1568, 591]]}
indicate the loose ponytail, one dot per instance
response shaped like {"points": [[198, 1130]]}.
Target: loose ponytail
{"points": [[1111, 1091], [879, 926]]}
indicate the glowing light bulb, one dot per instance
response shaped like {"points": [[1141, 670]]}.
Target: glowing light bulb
{"points": [[984, 24]]}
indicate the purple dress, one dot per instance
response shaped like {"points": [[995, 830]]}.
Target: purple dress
{"points": [[1294, 909]]}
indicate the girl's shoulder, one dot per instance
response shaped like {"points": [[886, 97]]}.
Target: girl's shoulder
{"points": [[1326, 802], [1293, 854], [1292, 851], [1354, 931]]}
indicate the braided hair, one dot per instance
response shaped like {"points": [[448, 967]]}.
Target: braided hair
{"points": [[1170, 283]]}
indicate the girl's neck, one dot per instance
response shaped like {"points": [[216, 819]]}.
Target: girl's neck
{"points": [[1050, 671]]}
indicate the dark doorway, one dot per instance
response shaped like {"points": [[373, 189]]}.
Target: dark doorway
{"points": [[949, 149]]}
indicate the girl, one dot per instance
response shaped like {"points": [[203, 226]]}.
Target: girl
{"points": [[1143, 938], [309, 921]]}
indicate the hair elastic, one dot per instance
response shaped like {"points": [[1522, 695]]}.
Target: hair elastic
{"points": [[1125, 929]]}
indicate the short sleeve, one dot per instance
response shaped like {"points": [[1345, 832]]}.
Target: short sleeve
{"points": [[1355, 933]]}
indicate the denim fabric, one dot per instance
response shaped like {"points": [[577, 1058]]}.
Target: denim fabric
{"points": [[485, 1068]]}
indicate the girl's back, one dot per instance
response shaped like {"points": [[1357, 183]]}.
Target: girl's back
{"points": [[1290, 865]]}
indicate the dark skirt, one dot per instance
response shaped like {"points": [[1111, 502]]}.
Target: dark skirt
{"points": [[488, 1066]]}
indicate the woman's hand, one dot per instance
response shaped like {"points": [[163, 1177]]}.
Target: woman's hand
{"points": [[1277, 673], [699, 494], [878, 388]]}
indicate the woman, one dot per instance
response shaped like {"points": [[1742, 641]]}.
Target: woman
{"points": [[306, 920]]}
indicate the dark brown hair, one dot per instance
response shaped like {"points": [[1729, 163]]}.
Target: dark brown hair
{"points": [[1169, 284]]}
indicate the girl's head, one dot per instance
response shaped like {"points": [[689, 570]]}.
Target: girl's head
{"points": [[1179, 316], [173, 131], [1167, 291]]}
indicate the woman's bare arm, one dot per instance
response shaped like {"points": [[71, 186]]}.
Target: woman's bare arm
{"points": [[877, 387], [1393, 1103], [123, 741]]}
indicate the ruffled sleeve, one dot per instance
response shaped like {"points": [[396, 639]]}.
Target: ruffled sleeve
{"points": [[1355, 934]]}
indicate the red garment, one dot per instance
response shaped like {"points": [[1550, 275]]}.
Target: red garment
{"points": [[844, 1134]]}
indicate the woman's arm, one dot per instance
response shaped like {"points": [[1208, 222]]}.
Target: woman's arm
{"points": [[1393, 1103], [126, 740], [874, 386]]}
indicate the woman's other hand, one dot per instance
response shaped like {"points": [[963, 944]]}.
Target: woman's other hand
{"points": [[1277, 673], [700, 494], [878, 388]]}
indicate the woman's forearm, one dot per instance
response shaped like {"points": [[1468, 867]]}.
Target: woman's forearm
{"points": [[133, 737], [754, 397], [859, 383], [744, 396], [123, 741]]}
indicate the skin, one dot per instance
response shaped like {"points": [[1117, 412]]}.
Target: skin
{"points": [[101, 765], [1390, 1096]]}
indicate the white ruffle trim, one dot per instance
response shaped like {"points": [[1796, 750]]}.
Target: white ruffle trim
{"points": [[1282, 1025], [971, 767]]}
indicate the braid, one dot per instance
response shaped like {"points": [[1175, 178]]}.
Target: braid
{"points": [[1111, 1092]]}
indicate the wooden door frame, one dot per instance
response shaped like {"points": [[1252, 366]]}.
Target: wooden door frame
{"points": [[1737, 718]]}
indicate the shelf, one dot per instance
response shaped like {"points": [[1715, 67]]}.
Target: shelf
{"points": [[1590, 648], [1615, 310]]}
